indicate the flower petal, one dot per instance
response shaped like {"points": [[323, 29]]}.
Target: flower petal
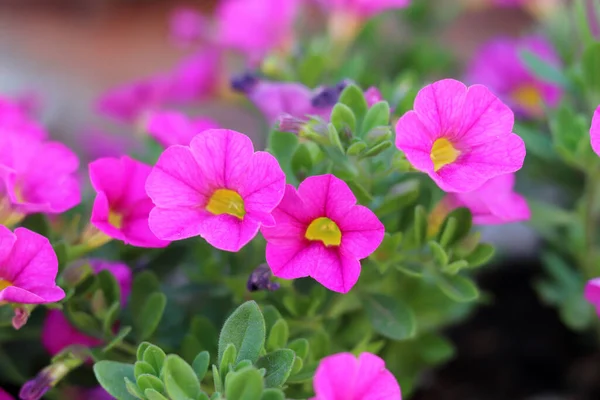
{"points": [[374, 381], [336, 376], [595, 131], [264, 184], [362, 232], [32, 262], [7, 241], [440, 105], [176, 223], [415, 140], [228, 233], [326, 196]]}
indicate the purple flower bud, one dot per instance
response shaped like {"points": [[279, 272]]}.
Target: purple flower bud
{"points": [[37, 387], [260, 279], [328, 96], [288, 123], [244, 83]]}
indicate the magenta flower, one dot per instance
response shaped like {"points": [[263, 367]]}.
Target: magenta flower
{"points": [[256, 27], [592, 293], [373, 96], [195, 77], [362, 8], [187, 25], [170, 128], [5, 396], [217, 188], [595, 131], [35, 176], [320, 232], [498, 66], [460, 136], [15, 119], [28, 268], [342, 376], [121, 206], [494, 202], [58, 333]]}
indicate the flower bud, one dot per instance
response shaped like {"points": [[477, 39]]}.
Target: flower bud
{"points": [[260, 279]]}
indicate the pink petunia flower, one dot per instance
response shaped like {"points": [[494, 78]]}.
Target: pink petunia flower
{"points": [[35, 176], [362, 8], [460, 136], [320, 232], [195, 77], [58, 333], [15, 119], [122, 206], [592, 293], [217, 188], [342, 376], [256, 27], [187, 25], [498, 66], [170, 128], [494, 202], [5, 396], [28, 268], [373, 96], [595, 131]]}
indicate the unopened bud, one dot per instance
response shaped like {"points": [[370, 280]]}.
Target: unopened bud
{"points": [[244, 83], [260, 279]]}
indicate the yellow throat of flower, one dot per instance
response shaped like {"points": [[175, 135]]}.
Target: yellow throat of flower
{"points": [[528, 97], [115, 219], [4, 284], [225, 201], [443, 153], [325, 230]]}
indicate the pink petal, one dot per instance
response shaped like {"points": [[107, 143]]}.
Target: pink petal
{"points": [[37, 295], [228, 233], [473, 169], [336, 376], [415, 141], [326, 196], [374, 381], [440, 105], [592, 292], [106, 176], [264, 184], [288, 260], [136, 232], [100, 215], [595, 131], [7, 241], [5, 396], [171, 128], [177, 180], [362, 232], [58, 333], [223, 156], [176, 223], [121, 272], [134, 191]]}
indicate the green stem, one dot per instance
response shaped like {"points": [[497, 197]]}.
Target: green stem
{"points": [[591, 218], [127, 348]]}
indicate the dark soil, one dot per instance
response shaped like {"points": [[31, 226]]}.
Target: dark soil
{"points": [[516, 348]]}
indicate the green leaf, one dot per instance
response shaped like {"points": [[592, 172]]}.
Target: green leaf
{"points": [[283, 145], [109, 286], [356, 148], [455, 267], [141, 349], [334, 138], [536, 142], [246, 384], [377, 149], [342, 118], [590, 64], [271, 316], [110, 317], [154, 356], [111, 376], [576, 312], [390, 317], [297, 366], [353, 97], [200, 364], [439, 255], [453, 231], [300, 347], [152, 394], [305, 375], [147, 381], [133, 389], [227, 360], [179, 378], [435, 349], [150, 315], [217, 379], [279, 365], [482, 254], [245, 329], [119, 338], [457, 287], [420, 225], [142, 368], [543, 70], [302, 161], [83, 321], [378, 115], [144, 284], [401, 196], [272, 394], [278, 336]]}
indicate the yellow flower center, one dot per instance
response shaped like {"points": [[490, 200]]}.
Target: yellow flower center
{"points": [[115, 219], [4, 284], [528, 97], [9, 217], [443, 153], [325, 230], [225, 201]]}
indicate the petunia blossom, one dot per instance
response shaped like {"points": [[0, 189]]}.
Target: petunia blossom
{"points": [[15, 119], [498, 65], [187, 25], [592, 293], [217, 188], [36, 176], [170, 127], [460, 136], [321, 232], [595, 131], [343, 376], [363, 9], [58, 333], [194, 78], [5, 396], [494, 202], [28, 268], [122, 206], [256, 27]]}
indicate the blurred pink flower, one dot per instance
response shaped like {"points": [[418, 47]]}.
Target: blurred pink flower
{"points": [[97, 393], [373, 96], [498, 66], [494, 202], [170, 128], [98, 144], [217, 188], [122, 206], [362, 8], [342, 376], [592, 293], [35, 176], [5, 396], [595, 131], [460, 136], [15, 119], [28, 268], [58, 333], [195, 77], [256, 27], [320, 232], [187, 25]]}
